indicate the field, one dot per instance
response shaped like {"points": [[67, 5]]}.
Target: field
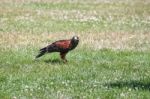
{"points": [[112, 60]]}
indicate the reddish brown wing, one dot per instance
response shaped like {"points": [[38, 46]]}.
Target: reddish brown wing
{"points": [[63, 43]]}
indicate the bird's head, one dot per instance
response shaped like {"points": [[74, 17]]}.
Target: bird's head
{"points": [[75, 39]]}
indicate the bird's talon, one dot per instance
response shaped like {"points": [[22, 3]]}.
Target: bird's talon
{"points": [[65, 61]]}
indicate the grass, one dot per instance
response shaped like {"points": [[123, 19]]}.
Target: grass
{"points": [[111, 61], [104, 73], [75, 17]]}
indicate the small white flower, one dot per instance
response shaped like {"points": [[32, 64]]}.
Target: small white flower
{"points": [[51, 83], [122, 94], [14, 97], [63, 82], [94, 85], [130, 89], [26, 86]]}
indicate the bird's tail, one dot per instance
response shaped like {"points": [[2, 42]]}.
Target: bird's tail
{"points": [[42, 52]]}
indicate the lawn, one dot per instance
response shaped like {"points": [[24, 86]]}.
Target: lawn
{"points": [[112, 60]]}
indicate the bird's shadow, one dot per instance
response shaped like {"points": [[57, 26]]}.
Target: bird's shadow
{"points": [[53, 61], [133, 84]]}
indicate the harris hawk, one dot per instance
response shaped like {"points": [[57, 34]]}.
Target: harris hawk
{"points": [[61, 46]]}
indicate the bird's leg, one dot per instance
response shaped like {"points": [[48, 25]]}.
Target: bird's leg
{"points": [[63, 57]]}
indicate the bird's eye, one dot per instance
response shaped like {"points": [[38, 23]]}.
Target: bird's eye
{"points": [[75, 38]]}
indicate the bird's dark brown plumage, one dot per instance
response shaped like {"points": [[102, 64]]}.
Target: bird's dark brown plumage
{"points": [[62, 46]]}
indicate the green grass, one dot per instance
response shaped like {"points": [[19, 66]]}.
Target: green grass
{"points": [[75, 17], [104, 73], [111, 61]]}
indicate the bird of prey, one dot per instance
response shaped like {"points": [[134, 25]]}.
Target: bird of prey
{"points": [[61, 46]]}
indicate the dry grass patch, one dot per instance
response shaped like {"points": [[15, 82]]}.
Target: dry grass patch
{"points": [[27, 1], [113, 40], [81, 1], [17, 40], [129, 41]]}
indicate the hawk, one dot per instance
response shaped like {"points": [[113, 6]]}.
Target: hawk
{"points": [[61, 46]]}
